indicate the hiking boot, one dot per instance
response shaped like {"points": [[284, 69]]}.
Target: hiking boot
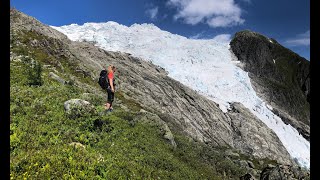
{"points": [[108, 111]]}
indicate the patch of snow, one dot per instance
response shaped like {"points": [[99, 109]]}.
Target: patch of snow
{"points": [[269, 107], [235, 62]]}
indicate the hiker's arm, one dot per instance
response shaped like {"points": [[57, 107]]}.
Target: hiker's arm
{"points": [[111, 84]]}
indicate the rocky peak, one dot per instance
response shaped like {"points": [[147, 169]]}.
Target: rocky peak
{"points": [[280, 76], [19, 20]]}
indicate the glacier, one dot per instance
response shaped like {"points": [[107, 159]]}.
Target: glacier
{"points": [[207, 66]]}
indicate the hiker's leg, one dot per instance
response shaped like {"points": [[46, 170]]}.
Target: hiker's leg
{"points": [[107, 106], [109, 100]]}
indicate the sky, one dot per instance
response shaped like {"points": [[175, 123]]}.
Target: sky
{"points": [[287, 21]]}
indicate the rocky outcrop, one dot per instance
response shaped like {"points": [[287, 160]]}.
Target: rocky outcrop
{"points": [[57, 78], [279, 76], [283, 172], [29, 23], [179, 107], [253, 137], [77, 107], [247, 177]]}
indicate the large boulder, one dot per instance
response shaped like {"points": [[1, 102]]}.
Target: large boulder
{"points": [[284, 172], [77, 107], [57, 78]]}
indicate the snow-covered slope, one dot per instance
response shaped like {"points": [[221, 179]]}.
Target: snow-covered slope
{"points": [[204, 65]]}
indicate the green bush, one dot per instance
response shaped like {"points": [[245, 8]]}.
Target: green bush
{"points": [[34, 74]]}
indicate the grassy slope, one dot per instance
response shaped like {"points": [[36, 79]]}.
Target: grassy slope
{"points": [[40, 133]]}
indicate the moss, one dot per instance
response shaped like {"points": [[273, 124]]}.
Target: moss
{"points": [[130, 103]]}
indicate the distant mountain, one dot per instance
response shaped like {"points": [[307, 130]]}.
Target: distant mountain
{"points": [[279, 76], [184, 88]]}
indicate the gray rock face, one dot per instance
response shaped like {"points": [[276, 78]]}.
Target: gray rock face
{"points": [[279, 76], [253, 137], [247, 177], [77, 107], [57, 78], [232, 154], [179, 107], [283, 172]]}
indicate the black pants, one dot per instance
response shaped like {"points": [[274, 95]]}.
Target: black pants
{"points": [[110, 96]]}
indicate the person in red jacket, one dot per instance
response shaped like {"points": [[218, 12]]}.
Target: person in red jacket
{"points": [[111, 87]]}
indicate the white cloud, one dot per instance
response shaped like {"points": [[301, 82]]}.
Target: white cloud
{"points": [[216, 13], [197, 36], [300, 40], [152, 13], [221, 21], [223, 38]]}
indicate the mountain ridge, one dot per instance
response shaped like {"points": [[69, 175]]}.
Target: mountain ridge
{"points": [[279, 75]]}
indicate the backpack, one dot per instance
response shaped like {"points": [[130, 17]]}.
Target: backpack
{"points": [[103, 79]]}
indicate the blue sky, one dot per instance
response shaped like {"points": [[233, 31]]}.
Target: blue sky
{"points": [[287, 21]]}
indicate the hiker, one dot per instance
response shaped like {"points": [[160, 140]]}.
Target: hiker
{"points": [[110, 89]]}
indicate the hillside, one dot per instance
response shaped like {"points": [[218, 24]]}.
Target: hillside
{"points": [[154, 132]]}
